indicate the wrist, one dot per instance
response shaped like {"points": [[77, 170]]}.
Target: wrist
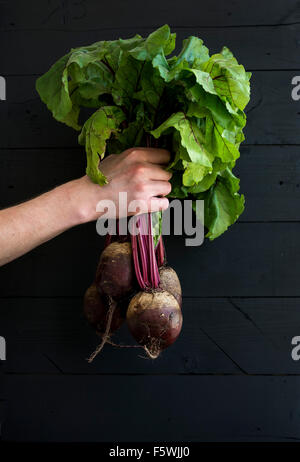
{"points": [[82, 196], [74, 207]]}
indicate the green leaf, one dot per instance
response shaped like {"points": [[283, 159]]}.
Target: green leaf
{"points": [[230, 79], [193, 49], [151, 89], [223, 205], [204, 103], [126, 80], [181, 153], [98, 80], [81, 71], [228, 178], [156, 218], [82, 57], [159, 41], [95, 132], [209, 179], [53, 88], [194, 173], [192, 104], [191, 137], [204, 80], [178, 190], [131, 43], [220, 142], [142, 114], [129, 137], [160, 63]]}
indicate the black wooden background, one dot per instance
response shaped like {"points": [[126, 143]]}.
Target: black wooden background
{"points": [[230, 376]]}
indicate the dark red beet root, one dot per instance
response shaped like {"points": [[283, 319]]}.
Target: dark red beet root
{"points": [[169, 281], [96, 309], [155, 320], [115, 273]]}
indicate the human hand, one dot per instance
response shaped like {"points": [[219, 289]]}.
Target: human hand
{"points": [[139, 172]]}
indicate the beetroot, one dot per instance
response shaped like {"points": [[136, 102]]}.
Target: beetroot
{"points": [[154, 314], [96, 308], [169, 281], [115, 273], [155, 320]]}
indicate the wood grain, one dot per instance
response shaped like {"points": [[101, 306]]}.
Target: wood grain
{"points": [[116, 409], [95, 15], [257, 48], [250, 259], [273, 116], [269, 177], [230, 375], [220, 336]]}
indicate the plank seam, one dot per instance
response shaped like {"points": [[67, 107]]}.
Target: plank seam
{"points": [[151, 27], [137, 374], [77, 147], [186, 297]]}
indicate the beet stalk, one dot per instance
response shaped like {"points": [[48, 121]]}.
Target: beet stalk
{"points": [[106, 301], [154, 315]]}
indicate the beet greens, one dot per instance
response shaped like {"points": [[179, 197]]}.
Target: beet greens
{"points": [[192, 104], [139, 93]]}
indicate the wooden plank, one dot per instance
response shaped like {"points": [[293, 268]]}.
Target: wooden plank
{"points": [[219, 336], [255, 333], [270, 182], [3, 412], [267, 197], [268, 47], [27, 121], [48, 167], [273, 116], [168, 408], [248, 260], [52, 335], [3, 402], [94, 15]]}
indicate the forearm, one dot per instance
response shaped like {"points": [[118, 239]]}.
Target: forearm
{"points": [[139, 172], [25, 226]]}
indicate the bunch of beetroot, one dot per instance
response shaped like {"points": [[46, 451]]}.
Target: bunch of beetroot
{"points": [[134, 283]]}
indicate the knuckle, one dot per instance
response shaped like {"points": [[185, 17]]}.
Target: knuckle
{"points": [[138, 169], [132, 153]]}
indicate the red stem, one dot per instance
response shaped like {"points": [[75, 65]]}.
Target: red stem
{"points": [[155, 279], [107, 240], [136, 260], [144, 255], [160, 252]]}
